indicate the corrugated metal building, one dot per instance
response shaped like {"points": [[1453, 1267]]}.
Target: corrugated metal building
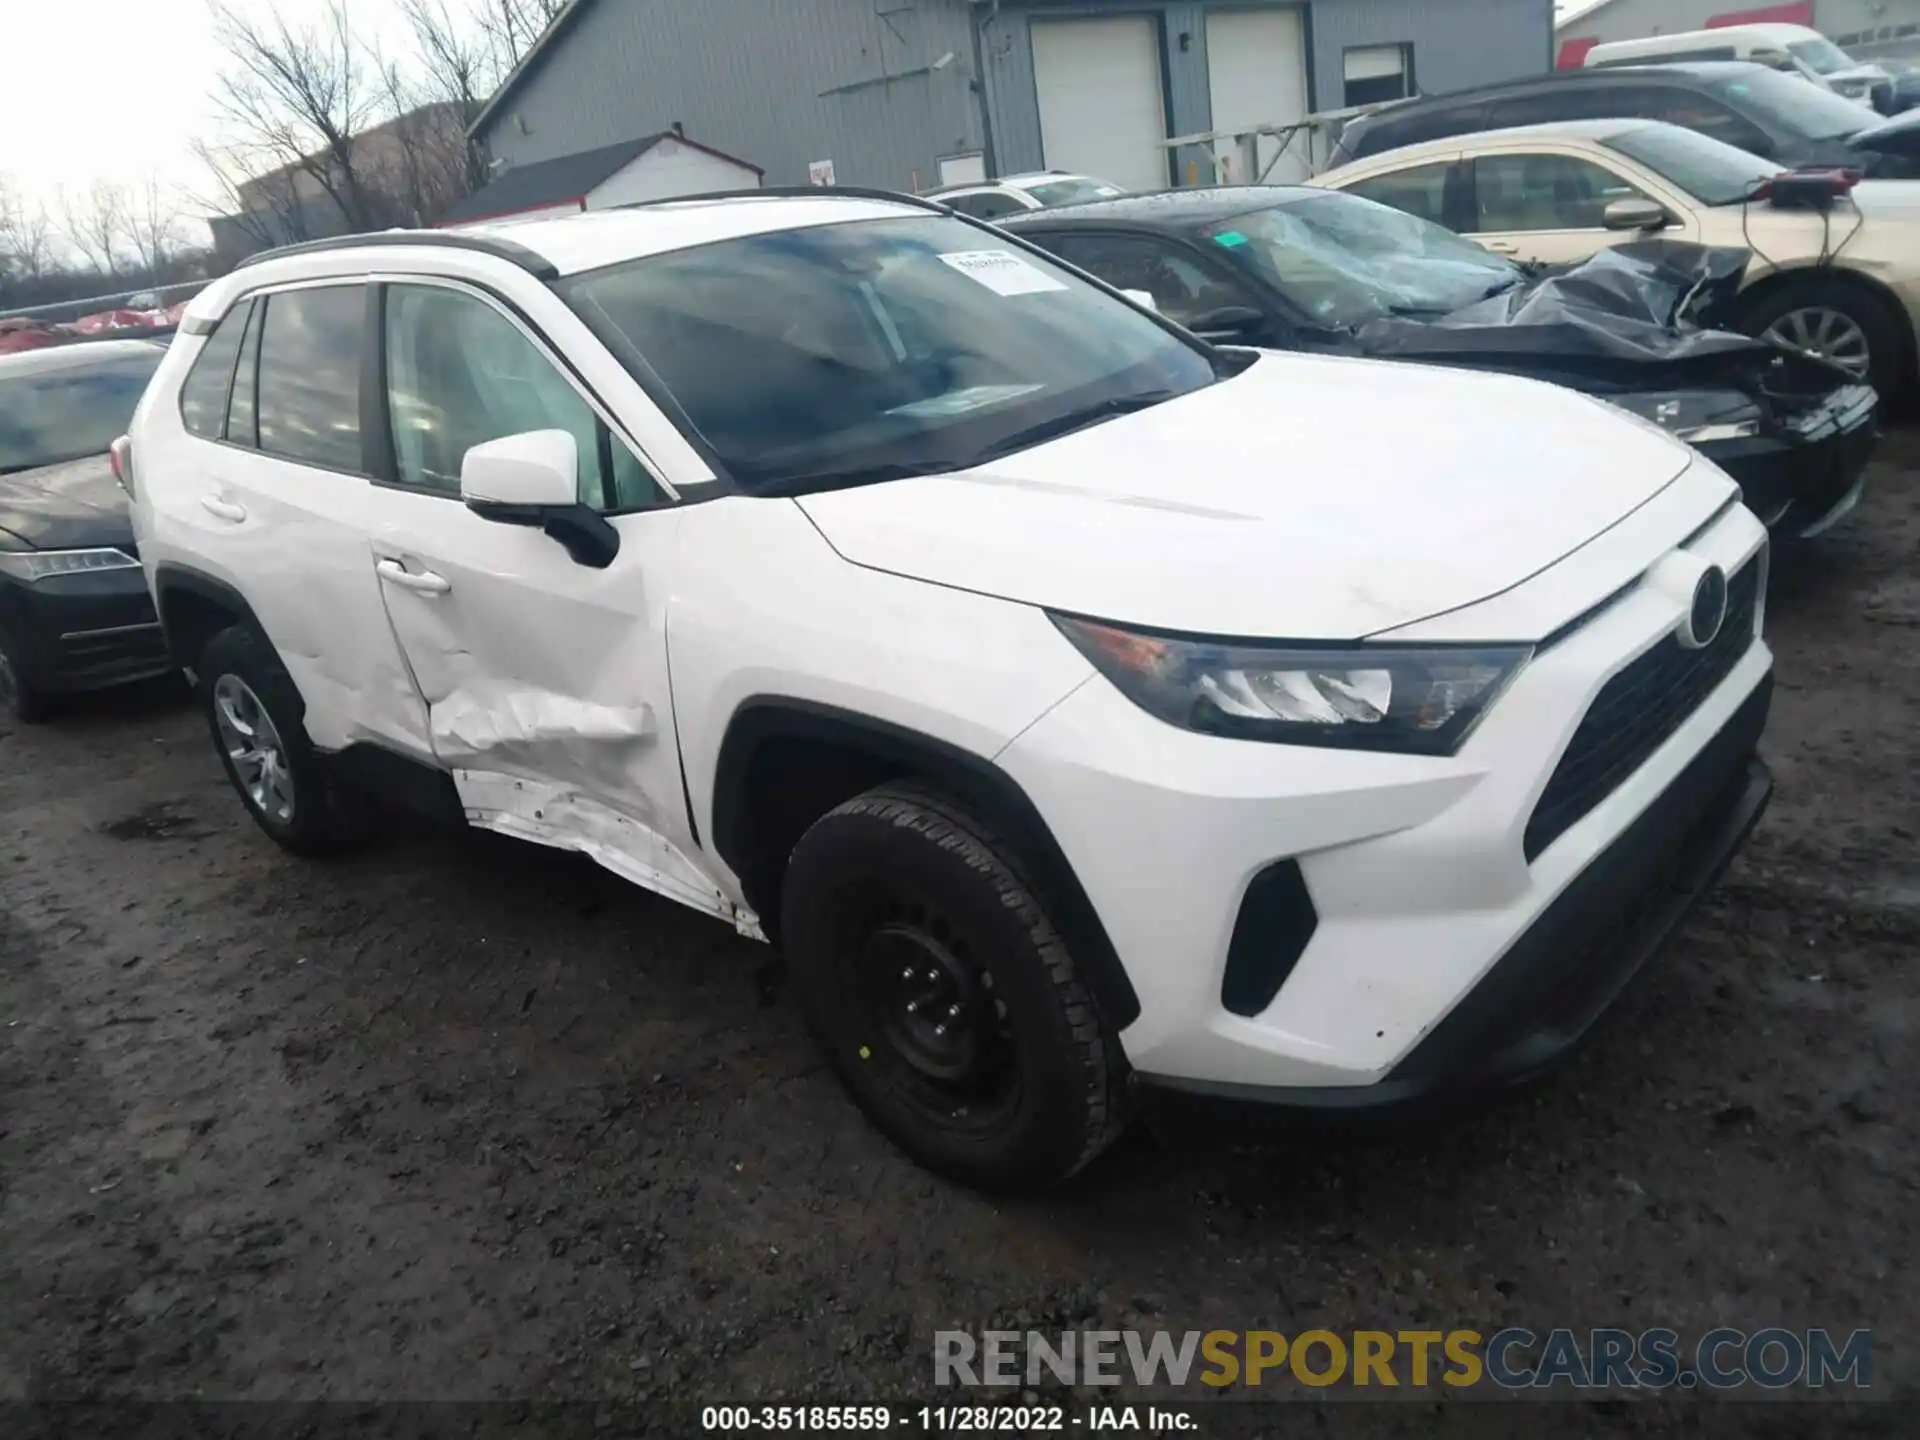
{"points": [[907, 93], [1865, 28]]}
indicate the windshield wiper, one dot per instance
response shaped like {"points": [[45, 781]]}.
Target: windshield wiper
{"points": [[811, 481], [1081, 419]]}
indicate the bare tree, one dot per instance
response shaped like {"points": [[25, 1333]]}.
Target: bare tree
{"points": [[460, 66], [26, 236], [296, 98], [512, 26], [96, 224], [152, 227]]}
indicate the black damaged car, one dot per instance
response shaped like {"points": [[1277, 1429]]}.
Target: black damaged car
{"points": [[74, 610], [1304, 269]]}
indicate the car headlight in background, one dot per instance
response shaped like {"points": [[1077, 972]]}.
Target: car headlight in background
{"points": [[1695, 416], [32, 565], [1411, 699]]}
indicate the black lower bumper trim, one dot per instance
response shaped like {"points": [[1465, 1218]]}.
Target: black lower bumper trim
{"points": [[1542, 999]]}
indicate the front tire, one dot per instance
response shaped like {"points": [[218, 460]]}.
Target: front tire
{"points": [[255, 716], [1838, 322], [20, 700], [946, 999]]}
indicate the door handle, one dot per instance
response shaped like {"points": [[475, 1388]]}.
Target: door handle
{"points": [[225, 509], [425, 582]]}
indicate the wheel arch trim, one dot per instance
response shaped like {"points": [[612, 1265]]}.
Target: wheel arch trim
{"points": [[761, 719]]}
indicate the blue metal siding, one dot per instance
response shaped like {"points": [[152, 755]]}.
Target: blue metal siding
{"points": [[827, 79], [1456, 43]]}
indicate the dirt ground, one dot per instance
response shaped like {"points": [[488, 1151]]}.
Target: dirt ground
{"points": [[460, 1118]]}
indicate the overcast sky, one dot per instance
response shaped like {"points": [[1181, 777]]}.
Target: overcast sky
{"points": [[118, 89]]}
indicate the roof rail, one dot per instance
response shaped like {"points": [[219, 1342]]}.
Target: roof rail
{"points": [[535, 265], [793, 192]]}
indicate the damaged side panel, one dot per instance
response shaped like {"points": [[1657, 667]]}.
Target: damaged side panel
{"points": [[568, 820], [546, 687]]}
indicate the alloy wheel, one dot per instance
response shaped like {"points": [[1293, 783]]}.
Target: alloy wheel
{"points": [[254, 746], [1828, 334]]}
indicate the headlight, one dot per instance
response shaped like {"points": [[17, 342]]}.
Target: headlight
{"points": [[1413, 699], [31, 565], [1695, 416]]}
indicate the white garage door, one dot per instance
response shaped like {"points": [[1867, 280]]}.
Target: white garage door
{"points": [[1101, 111], [1257, 71]]}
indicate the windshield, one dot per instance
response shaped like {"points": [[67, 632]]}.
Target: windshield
{"points": [[1073, 191], [1820, 55], [1787, 102], [1346, 261], [824, 356], [1710, 170], [71, 412]]}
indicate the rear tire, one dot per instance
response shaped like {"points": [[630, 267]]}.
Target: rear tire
{"points": [[1823, 313], [945, 998], [255, 716]]}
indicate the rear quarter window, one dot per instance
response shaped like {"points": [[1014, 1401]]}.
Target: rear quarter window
{"points": [[203, 394]]}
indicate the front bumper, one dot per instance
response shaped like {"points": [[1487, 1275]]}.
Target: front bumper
{"points": [[1546, 994], [1802, 479], [83, 631], [1420, 872]]}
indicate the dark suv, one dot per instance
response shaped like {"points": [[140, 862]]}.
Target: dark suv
{"points": [[1776, 116]]}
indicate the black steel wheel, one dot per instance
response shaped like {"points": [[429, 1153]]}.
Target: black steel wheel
{"points": [[945, 998]]}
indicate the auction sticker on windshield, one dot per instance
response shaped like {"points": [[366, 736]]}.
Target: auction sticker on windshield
{"points": [[1002, 272]]}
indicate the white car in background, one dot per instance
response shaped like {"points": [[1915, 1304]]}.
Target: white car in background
{"points": [[1016, 194], [1842, 282], [1797, 49], [1081, 708]]}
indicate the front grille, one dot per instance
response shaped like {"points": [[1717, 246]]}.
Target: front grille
{"points": [[1636, 711]]}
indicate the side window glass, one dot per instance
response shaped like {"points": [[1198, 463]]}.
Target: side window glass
{"points": [[309, 386], [203, 394], [1544, 192], [1419, 190], [1705, 114], [459, 373], [1182, 287], [988, 205], [243, 426]]}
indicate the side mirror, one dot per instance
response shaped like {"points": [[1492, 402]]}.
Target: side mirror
{"points": [[1144, 299], [538, 468], [1635, 214], [532, 479], [1229, 322]]}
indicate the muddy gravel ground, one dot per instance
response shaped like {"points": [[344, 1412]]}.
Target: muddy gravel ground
{"points": [[457, 1118]]}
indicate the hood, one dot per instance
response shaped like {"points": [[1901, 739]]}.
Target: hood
{"points": [[1628, 319], [69, 506], [1888, 199], [1308, 498]]}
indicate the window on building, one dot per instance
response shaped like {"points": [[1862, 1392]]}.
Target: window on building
{"points": [[1378, 73]]}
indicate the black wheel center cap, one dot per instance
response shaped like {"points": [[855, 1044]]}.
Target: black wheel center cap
{"points": [[926, 1001]]}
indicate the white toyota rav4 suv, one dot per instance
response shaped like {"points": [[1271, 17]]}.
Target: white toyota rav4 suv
{"points": [[1084, 710]]}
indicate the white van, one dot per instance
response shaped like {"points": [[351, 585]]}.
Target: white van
{"points": [[1784, 47]]}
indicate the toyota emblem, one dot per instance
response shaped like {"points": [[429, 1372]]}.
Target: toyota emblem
{"points": [[1709, 610]]}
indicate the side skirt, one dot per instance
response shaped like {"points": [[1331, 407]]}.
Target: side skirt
{"points": [[564, 819]]}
